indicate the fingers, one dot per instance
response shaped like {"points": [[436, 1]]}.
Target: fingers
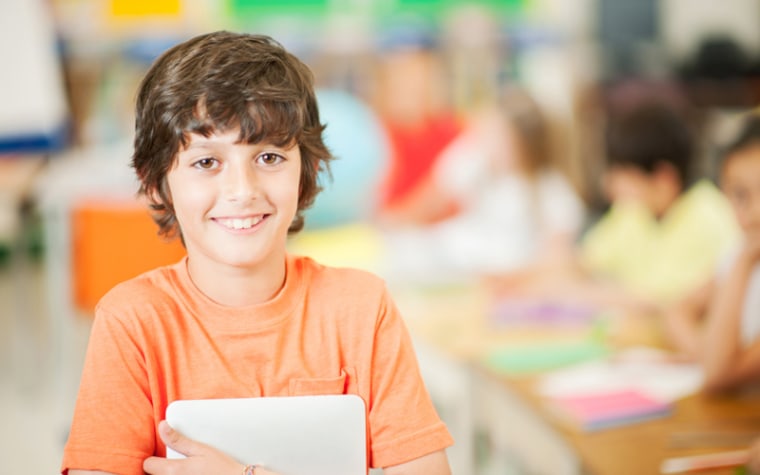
{"points": [[160, 466], [201, 459], [177, 441], [754, 458]]}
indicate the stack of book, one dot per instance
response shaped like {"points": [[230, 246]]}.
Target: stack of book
{"points": [[605, 410], [627, 387]]}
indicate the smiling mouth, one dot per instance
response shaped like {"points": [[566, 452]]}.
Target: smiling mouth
{"points": [[240, 223]]}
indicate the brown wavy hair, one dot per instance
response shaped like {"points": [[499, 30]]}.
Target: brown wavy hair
{"points": [[217, 82]]}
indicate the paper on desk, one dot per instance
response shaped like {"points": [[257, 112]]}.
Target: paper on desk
{"points": [[645, 370], [542, 356]]}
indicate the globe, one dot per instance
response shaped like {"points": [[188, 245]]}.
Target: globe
{"points": [[356, 137]]}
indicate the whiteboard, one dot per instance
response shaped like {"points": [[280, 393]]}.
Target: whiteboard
{"points": [[33, 105]]}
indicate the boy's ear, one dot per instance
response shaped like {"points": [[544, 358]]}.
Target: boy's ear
{"points": [[153, 195]]}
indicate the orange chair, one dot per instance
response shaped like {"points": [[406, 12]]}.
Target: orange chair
{"points": [[114, 241]]}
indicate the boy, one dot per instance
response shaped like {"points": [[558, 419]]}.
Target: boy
{"points": [[228, 147], [662, 235], [728, 343]]}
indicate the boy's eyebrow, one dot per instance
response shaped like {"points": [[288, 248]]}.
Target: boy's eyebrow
{"points": [[203, 142]]}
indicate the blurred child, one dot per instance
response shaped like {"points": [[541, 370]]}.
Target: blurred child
{"points": [[419, 121], [663, 233], [228, 148], [719, 324], [516, 209]]}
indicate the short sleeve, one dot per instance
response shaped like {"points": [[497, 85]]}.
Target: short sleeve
{"points": [[113, 428], [462, 166], [403, 422], [561, 208], [613, 245], [465, 165]]}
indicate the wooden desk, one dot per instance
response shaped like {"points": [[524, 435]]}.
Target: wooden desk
{"points": [[516, 423], [640, 448]]}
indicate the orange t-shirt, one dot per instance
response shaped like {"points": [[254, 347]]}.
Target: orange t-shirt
{"points": [[157, 338]]}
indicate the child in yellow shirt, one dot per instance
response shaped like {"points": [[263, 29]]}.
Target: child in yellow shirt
{"points": [[664, 232]]}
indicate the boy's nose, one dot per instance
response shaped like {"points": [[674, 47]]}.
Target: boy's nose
{"points": [[241, 184]]}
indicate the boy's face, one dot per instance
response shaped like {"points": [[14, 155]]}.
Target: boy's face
{"points": [[656, 191], [628, 184], [235, 201], [740, 181]]}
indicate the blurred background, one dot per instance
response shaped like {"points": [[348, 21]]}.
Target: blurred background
{"points": [[398, 82]]}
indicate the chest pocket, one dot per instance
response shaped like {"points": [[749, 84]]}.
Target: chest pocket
{"points": [[345, 383]]}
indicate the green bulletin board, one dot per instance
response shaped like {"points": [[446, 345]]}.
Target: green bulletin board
{"points": [[258, 9]]}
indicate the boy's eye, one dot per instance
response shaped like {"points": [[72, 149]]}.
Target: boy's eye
{"points": [[205, 163], [269, 158]]}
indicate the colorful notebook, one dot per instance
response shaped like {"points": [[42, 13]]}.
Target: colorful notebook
{"points": [[537, 357], [611, 409], [515, 313]]}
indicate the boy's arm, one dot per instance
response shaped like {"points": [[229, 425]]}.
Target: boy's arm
{"points": [[754, 457], [435, 463], [725, 362], [683, 321], [431, 464]]}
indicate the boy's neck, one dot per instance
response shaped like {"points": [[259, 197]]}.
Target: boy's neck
{"points": [[237, 287], [665, 197]]}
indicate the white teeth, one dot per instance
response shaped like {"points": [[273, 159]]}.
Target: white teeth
{"points": [[240, 223]]}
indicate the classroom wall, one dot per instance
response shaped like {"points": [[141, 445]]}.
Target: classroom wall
{"points": [[685, 22], [77, 63]]}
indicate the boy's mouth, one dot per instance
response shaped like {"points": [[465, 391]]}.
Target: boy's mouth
{"points": [[240, 223]]}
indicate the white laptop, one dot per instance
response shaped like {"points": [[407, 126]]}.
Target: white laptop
{"points": [[297, 435]]}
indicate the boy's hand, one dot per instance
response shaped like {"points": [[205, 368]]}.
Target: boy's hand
{"points": [[751, 251], [201, 459], [754, 458]]}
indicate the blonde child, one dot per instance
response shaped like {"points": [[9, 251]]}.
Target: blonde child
{"points": [[719, 325], [228, 147], [517, 212]]}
